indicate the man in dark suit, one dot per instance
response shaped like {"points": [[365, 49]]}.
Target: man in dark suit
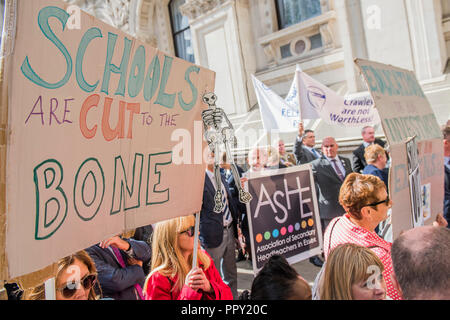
{"points": [[446, 134], [304, 146], [447, 194], [242, 222], [358, 161], [305, 153], [218, 231], [119, 264], [329, 172]]}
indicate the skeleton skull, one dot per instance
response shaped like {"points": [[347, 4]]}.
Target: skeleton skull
{"points": [[210, 98]]}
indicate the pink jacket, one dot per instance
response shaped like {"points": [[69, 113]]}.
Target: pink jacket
{"points": [[160, 287]]}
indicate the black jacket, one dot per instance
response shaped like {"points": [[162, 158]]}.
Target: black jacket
{"points": [[211, 223], [302, 154], [328, 186], [358, 160], [447, 196], [117, 282]]}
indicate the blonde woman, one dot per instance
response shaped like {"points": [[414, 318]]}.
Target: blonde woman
{"points": [[353, 272], [172, 276], [376, 158], [75, 280]]}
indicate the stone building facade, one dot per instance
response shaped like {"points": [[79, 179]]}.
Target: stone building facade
{"points": [[268, 38]]}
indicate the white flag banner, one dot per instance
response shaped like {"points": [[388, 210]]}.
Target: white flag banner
{"points": [[276, 113], [317, 99]]}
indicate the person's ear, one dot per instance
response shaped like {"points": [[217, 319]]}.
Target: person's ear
{"points": [[366, 212]]}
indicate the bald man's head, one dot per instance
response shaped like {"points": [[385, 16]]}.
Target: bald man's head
{"points": [[421, 260], [329, 147]]}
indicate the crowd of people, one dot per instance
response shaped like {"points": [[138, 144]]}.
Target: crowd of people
{"points": [[358, 262]]}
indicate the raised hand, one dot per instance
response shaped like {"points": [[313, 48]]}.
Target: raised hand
{"points": [[301, 129], [115, 241]]}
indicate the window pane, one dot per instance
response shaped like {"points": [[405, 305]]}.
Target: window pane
{"points": [[183, 46], [285, 51], [179, 22], [181, 32], [294, 11], [316, 41]]}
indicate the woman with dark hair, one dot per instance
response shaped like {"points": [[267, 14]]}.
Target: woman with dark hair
{"points": [[75, 280], [277, 280]]}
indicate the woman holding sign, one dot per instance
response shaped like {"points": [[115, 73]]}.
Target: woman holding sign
{"points": [[173, 277]]}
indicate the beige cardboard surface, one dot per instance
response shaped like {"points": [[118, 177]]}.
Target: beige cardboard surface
{"points": [[405, 112], [92, 114], [3, 294], [3, 128], [35, 278]]}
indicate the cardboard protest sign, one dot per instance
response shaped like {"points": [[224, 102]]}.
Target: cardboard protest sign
{"points": [[94, 129], [416, 184], [283, 215]]}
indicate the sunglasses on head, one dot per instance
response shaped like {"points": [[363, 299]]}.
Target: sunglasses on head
{"points": [[87, 282], [190, 231], [386, 201]]}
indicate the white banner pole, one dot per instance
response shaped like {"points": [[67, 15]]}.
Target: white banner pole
{"points": [[197, 228], [50, 289]]}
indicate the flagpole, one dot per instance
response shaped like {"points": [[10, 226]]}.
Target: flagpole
{"points": [[197, 228], [297, 81]]}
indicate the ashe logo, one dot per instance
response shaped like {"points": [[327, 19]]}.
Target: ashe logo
{"points": [[316, 97]]}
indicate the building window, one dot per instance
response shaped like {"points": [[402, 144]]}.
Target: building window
{"points": [[294, 11], [181, 32]]}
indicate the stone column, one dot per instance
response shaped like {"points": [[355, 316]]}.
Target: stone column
{"points": [[427, 37], [350, 26], [222, 41]]}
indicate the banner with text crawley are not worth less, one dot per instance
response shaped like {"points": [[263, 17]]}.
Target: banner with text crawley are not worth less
{"points": [[283, 215], [405, 113], [91, 145], [309, 99]]}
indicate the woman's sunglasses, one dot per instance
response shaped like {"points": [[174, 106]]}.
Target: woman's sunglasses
{"points": [[190, 232], [386, 201], [87, 282]]}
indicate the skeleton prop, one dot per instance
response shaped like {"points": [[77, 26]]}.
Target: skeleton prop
{"points": [[215, 134]]}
